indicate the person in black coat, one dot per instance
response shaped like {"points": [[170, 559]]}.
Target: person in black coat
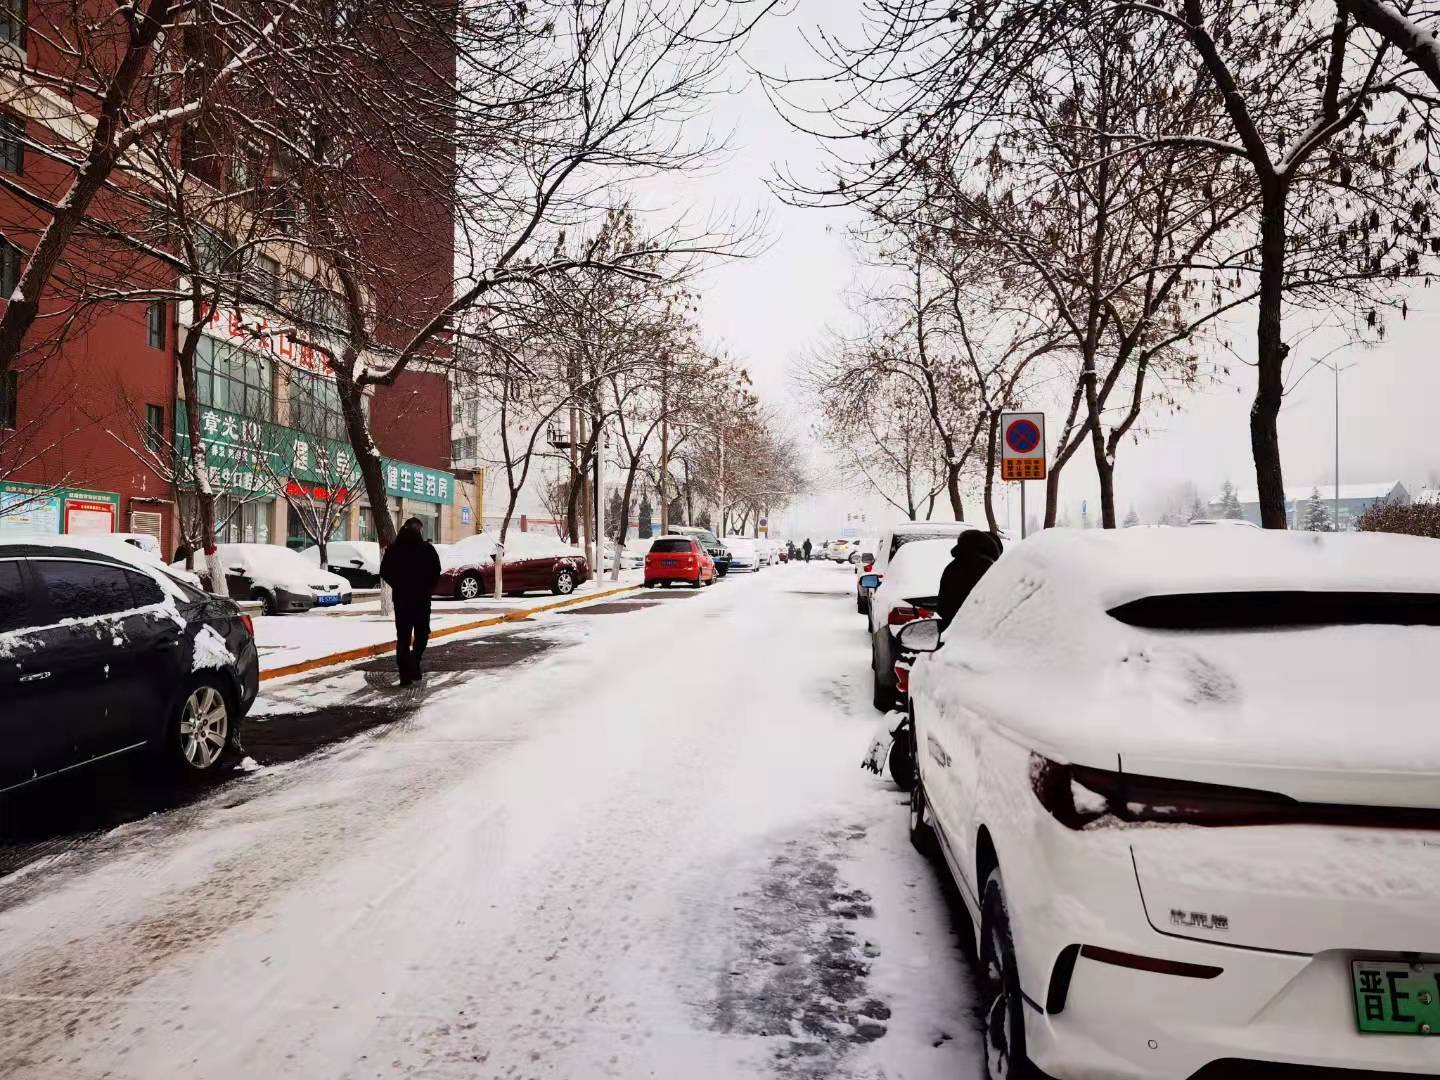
{"points": [[806, 548], [973, 554], [411, 567]]}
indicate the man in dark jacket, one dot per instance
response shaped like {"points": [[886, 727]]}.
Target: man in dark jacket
{"points": [[806, 548], [973, 554], [411, 567]]}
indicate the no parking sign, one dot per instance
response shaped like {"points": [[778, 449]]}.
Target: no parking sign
{"points": [[1022, 446]]}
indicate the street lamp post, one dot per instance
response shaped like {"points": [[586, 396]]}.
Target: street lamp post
{"points": [[1335, 369]]}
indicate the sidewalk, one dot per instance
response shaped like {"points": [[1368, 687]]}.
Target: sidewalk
{"points": [[289, 644]]}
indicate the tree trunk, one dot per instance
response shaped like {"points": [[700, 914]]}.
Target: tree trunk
{"points": [[1265, 412], [992, 431], [1105, 472], [199, 468], [952, 487]]}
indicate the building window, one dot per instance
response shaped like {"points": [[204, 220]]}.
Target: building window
{"points": [[10, 257], [12, 22], [315, 405], [264, 278], [9, 400], [234, 379], [155, 428], [12, 145], [155, 324]]}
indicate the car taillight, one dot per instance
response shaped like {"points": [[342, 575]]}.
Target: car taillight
{"points": [[869, 566], [248, 623], [1076, 796], [899, 616], [902, 678]]}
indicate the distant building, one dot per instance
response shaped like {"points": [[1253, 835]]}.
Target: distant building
{"points": [[1355, 499]]}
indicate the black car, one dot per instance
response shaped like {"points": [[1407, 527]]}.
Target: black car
{"points": [[100, 656], [710, 542]]}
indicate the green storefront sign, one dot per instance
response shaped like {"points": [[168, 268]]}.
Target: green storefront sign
{"points": [[249, 456]]}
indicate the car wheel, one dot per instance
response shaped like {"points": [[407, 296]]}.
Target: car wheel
{"points": [[902, 760], [698, 582], [1002, 1008], [267, 599], [202, 731], [468, 587], [564, 583], [922, 832]]}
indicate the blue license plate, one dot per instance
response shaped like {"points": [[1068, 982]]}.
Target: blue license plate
{"points": [[327, 599]]}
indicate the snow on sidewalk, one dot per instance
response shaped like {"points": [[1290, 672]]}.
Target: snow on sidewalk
{"points": [[283, 640], [589, 870]]}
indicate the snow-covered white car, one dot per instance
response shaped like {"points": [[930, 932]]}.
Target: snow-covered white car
{"points": [[910, 591], [889, 543], [744, 553], [1188, 783], [631, 558], [281, 579], [1232, 522], [357, 561]]}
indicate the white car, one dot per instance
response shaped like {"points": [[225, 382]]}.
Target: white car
{"points": [[630, 558], [1188, 784], [892, 541], [744, 553], [357, 561], [910, 591], [281, 579]]}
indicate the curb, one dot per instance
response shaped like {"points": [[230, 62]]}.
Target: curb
{"points": [[365, 652]]}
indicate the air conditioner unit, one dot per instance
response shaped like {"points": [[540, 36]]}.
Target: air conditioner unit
{"points": [[147, 521]]}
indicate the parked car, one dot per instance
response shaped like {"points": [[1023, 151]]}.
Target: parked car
{"points": [[283, 581], [708, 540], [121, 546], [744, 553], [911, 590], [1188, 784], [631, 557], [1232, 522], [101, 655], [533, 562], [677, 559], [891, 542], [357, 561]]}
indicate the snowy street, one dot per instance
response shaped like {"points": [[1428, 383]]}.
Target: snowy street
{"points": [[626, 839]]}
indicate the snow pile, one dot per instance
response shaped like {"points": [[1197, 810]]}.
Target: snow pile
{"points": [[211, 650], [1034, 650], [480, 548]]}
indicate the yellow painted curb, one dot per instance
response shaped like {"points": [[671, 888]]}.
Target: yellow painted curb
{"points": [[366, 651]]}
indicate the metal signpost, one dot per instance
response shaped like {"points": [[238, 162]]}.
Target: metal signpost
{"points": [[1022, 451]]}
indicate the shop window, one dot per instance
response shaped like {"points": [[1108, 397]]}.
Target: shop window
{"points": [[9, 400], [12, 145], [12, 22], [234, 379], [10, 260], [155, 324], [155, 428]]}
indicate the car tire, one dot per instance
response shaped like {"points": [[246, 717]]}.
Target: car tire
{"points": [[902, 760], [1002, 1009], [267, 601], [469, 587], [564, 583], [922, 832], [202, 732]]}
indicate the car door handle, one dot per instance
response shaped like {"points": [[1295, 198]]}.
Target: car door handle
{"points": [[35, 676]]}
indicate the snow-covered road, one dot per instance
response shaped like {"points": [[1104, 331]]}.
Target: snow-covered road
{"points": [[649, 854]]}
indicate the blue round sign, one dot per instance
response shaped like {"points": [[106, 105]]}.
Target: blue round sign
{"points": [[1023, 436]]}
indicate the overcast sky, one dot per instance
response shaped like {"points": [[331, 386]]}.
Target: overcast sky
{"points": [[770, 309]]}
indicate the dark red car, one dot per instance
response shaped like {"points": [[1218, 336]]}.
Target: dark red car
{"points": [[678, 559], [468, 570]]}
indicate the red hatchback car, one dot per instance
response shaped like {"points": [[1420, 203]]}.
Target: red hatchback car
{"points": [[679, 559]]}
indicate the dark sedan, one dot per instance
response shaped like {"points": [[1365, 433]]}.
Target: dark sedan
{"points": [[101, 655]]}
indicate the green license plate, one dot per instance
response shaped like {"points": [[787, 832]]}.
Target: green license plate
{"points": [[1396, 998]]}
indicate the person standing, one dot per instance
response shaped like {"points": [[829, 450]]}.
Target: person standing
{"points": [[973, 554], [805, 547], [411, 567]]}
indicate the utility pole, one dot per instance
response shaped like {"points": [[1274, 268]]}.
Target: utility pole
{"points": [[599, 562], [721, 523], [664, 443]]}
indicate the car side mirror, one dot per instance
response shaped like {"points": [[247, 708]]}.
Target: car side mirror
{"points": [[235, 570], [921, 636], [869, 581]]}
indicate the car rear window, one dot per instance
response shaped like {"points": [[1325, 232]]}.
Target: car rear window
{"points": [[662, 547], [1273, 609], [899, 540]]}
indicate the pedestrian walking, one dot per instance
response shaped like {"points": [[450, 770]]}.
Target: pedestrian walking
{"points": [[411, 567], [805, 547], [973, 554]]}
